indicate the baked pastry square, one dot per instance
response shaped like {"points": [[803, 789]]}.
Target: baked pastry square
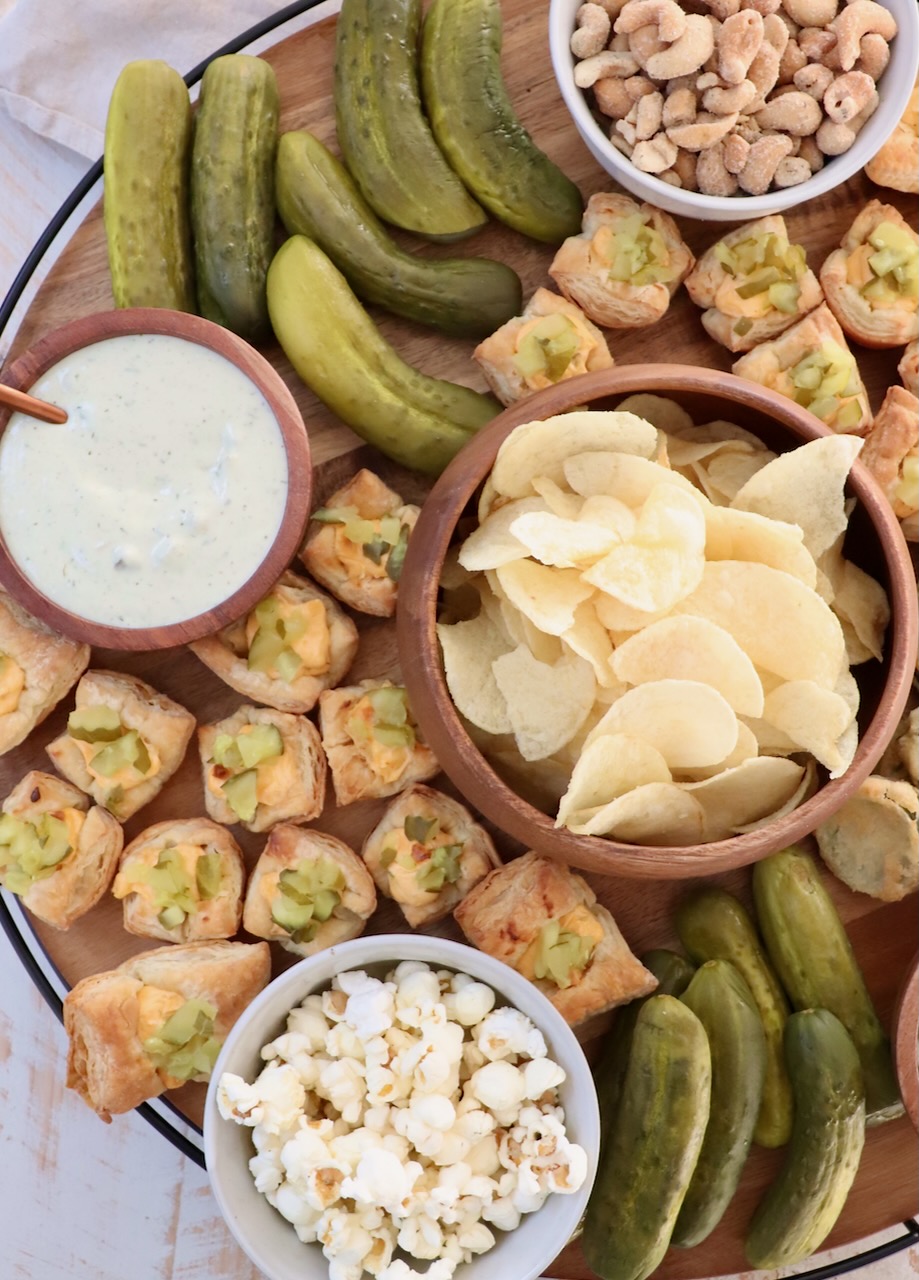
{"points": [[896, 164], [891, 454], [57, 852], [262, 767], [356, 544], [371, 741], [545, 922], [182, 881], [871, 281], [625, 266], [37, 669], [811, 364], [908, 368], [123, 742], [158, 1020], [308, 891], [296, 642], [754, 284], [427, 853]]}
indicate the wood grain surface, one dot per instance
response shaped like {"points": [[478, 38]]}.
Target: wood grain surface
{"points": [[887, 1187]]}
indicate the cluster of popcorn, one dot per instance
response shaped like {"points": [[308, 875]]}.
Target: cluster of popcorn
{"points": [[409, 1115]]}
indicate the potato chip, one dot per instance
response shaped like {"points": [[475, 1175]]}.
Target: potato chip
{"points": [[847, 688], [589, 639], [540, 448], [690, 648], [489, 499], [805, 487], [609, 512], [559, 501], [804, 790], [720, 430], [665, 414], [860, 601], [624, 476], [469, 649], [658, 814], [746, 748], [621, 619], [608, 767], [566, 544], [730, 469], [778, 622], [683, 451], [744, 794], [548, 597], [544, 647], [689, 723], [565, 694], [493, 543], [846, 748], [770, 740], [812, 716], [744, 535]]}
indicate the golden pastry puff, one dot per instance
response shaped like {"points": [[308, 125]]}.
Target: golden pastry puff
{"points": [[308, 891], [811, 364], [545, 922], [262, 767], [123, 742], [625, 266], [891, 454], [371, 741], [551, 341], [427, 853], [37, 669], [356, 544], [896, 164], [158, 1020], [908, 368], [872, 281], [754, 284], [296, 642], [182, 881], [57, 852]]}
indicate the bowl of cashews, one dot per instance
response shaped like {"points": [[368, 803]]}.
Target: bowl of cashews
{"points": [[730, 109]]}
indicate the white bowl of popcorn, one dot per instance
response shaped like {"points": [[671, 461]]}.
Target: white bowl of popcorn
{"points": [[401, 1106], [688, 139]]}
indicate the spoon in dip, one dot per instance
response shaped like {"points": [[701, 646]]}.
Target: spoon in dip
{"points": [[32, 406]]}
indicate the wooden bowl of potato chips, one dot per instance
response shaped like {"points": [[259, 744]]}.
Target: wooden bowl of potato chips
{"points": [[647, 630]]}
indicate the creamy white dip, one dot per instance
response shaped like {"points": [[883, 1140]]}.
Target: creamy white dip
{"points": [[162, 493]]}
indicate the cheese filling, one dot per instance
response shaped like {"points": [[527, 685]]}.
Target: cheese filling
{"points": [[562, 950], [12, 683], [288, 638]]}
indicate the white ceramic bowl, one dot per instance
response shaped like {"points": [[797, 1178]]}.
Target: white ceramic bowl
{"points": [[268, 1239], [895, 87]]}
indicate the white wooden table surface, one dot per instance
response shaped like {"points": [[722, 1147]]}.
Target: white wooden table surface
{"points": [[80, 1200]]}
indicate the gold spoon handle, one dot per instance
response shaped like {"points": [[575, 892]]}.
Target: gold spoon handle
{"points": [[32, 406]]}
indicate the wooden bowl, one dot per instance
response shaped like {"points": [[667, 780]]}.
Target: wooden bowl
{"points": [[906, 1040], [37, 360], [874, 541]]}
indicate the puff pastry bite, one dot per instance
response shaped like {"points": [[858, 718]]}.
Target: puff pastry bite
{"points": [[371, 741], [872, 281], [891, 454], [545, 922], [896, 165], [123, 742], [356, 544], [308, 891], [551, 341], [294, 643], [908, 368], [182, 881], [262, 767], [626, 264], [57, 852], [158, 1020], [811, 364], [427, 853], [754, 283], [37, 669]]}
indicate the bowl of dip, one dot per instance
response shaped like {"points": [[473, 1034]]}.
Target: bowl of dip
{"points": [[174, 496]]}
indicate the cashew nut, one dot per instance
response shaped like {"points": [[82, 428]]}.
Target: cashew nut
{"points": [[712, 174], [756, 176], [619, 44], [709, 80], [648, 111], [866, 112], [703, 132], [811, 13], [874, 55], [847, 95], [792, 60], [680, 107], [748, 129], [612, 97], [814, 79], [666, 15], [790, 171], [644, 43], [858, 19], [795, 113], [613, 7], [816, 43], [833, 139], [763, 7], [626, 129], [671, 177], [593, 26], [810, 152], [726, 101], [654, 155], [738, 43], [723, 9], [638, 87], [694, 47], [621, 145], [603, 65], [685, 167], [764, 71], [776, 32]]}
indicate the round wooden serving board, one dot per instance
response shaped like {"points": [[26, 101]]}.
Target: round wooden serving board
{"points": [[887, 1188]]}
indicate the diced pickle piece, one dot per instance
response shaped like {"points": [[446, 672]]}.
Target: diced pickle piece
{"points": [[635, 251], [127, 751], [171, 917], [226, 752], [261, 742], [417, 828], [207, 875], [94, 724], [241, 795], [561, 954], [397, 555], [849, 416], [784, 297], [307, 896], [185, 1046], [441, 868], [30, 851], [267, 644]]}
